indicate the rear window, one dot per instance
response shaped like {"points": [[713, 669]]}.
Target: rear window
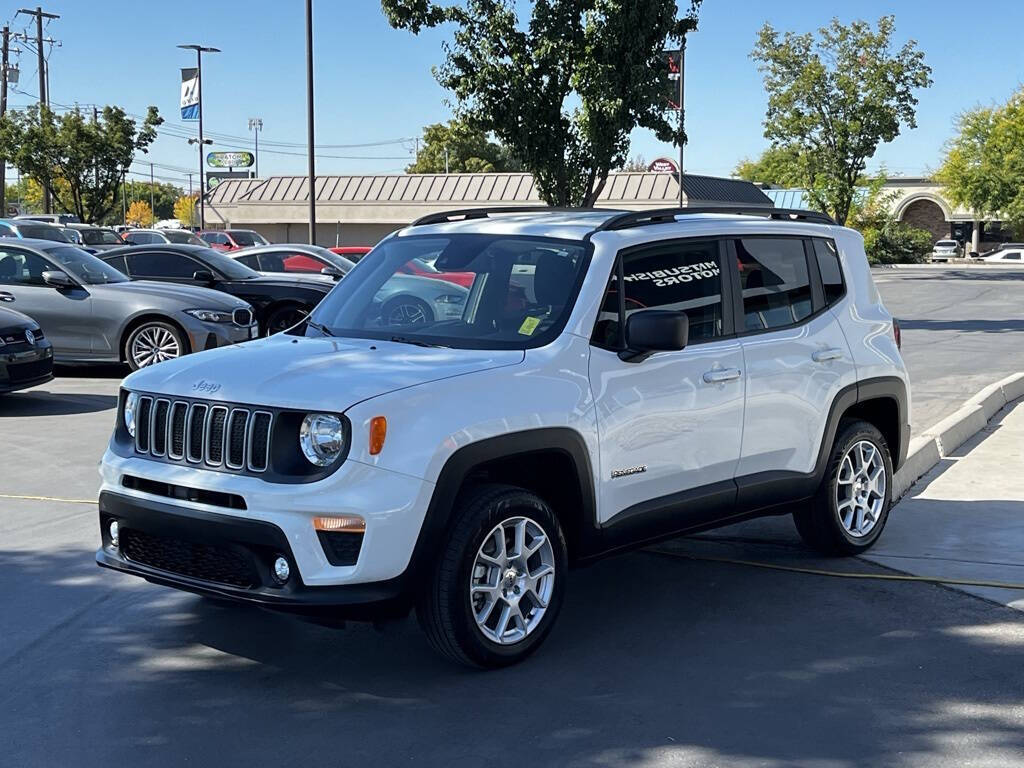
{"points": [[43, 232], [946, 244]]}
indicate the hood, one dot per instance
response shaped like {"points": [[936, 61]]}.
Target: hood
{"points": [[311, 373], [194, 296], [12, 318]]}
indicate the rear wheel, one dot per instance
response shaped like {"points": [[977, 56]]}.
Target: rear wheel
{"points": [[284, 318], [153, 342], [851, 507], [499, 583]]}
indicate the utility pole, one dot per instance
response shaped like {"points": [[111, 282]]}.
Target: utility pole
{"points": [[446, 160], [309, 121], [3, 111], [256, 125], [200, 50], [40, 14], [152, 205], [124, 197]]}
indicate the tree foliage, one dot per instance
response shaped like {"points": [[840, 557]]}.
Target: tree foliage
{"points": [[983, 169], [185, 210], [779, 166], [86, 155], [140, 214], [886, 240], [563, 89], [164, 196], [469, 151], [834, 97]]}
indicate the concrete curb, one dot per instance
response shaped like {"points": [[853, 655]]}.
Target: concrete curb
{"points": [[949, 434]]}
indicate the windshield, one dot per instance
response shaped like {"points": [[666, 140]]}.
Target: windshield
{"points": [[181, 236], [946, 244], [100, 237], [245, 238], [85, 267], [230, 268], [520, 294], [43, 232]]}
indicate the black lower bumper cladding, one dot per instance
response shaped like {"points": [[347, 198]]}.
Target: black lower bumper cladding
{"points": [[229, 558]]}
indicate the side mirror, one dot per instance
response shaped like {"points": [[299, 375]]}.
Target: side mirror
{"points": [[58, 279], [203, 276], [334, 272], [655, 330]]}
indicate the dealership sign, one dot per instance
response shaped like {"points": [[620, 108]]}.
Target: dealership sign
{"points": [[663, 165], [230, 159]]}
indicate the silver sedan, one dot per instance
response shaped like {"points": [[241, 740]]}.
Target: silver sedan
{"points": [[92, 313]]}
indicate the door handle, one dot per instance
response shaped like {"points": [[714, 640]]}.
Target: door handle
{"points": [[824, 355], [5, 296], [722, 375]]}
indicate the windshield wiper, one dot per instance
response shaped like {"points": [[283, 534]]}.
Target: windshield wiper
{"points": [[415, 342], [320, 327]]}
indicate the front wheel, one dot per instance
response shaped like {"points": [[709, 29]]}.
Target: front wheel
{"points": [[498, 585], [851, 507], [284, 318], [153, 342]]}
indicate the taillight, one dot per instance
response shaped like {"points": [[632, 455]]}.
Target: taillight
{"points": [[896, 335]]}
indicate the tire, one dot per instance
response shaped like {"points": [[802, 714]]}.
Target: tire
{"points": [[283, 318], [447, 608], [163, 340], [406, 310], [836, 521]]}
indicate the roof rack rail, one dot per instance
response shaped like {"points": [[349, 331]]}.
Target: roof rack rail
{"points": [[465, 214], [665, 215]]}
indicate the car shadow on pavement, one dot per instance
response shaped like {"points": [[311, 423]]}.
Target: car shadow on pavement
{"points": [[1004, 274], [654, 660], [40, 402], [985, 326], [93, 371]]}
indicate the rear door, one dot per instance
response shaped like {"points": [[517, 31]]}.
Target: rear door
{"points": [[64, 314], [796, 355]]}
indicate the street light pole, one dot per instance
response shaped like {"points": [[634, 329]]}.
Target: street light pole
{"points": [[200, 50], [682, 110], [309, 121], [256, 125]]}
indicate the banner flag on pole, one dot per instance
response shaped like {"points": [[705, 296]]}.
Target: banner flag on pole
{"points": [[190, 93]]}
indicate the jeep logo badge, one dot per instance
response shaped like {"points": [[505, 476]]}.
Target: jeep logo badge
{"points": [[205, 387]]}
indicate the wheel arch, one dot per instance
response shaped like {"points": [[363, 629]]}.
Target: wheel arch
{"points": [[879, 401], [264, 313], [141, 319]]}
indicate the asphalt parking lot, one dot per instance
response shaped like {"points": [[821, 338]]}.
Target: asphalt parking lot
{"points": [[656, 660]]}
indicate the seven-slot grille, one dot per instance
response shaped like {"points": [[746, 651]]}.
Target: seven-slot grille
{"points": [[230, 437]]}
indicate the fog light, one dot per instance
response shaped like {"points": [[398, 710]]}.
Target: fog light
{"points": [[113, 532], [281, 570]]}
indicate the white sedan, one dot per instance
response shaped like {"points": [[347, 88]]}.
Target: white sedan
{"points": [[1006, 256]]}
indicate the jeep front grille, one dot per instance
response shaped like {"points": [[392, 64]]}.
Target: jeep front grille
{"points": [[216, 435]]}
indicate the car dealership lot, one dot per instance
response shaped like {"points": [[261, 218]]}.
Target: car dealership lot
{"points": [[656, 660]]}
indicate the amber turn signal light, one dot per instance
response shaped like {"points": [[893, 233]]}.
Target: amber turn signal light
{"points": [[340, 524], [378, 432]]}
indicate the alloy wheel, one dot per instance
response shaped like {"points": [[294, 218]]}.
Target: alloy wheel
{"points": [[860, 489], [153, 344], [407, 314], [512, 580]]}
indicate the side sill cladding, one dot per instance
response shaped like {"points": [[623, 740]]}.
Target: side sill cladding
{"points": [[461, 466]]}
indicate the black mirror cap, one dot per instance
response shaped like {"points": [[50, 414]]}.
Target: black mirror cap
{"points": [[655, 330], [58, 278], [334, 272], [203, 276]]}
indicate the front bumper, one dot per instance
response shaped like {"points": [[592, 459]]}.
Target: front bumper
{"points": [[186, 542], [203, 335], [26, 367]]}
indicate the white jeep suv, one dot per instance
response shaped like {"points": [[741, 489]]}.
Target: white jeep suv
{"points": [[605, 380]]}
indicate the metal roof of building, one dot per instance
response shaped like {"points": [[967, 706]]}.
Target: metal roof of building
{"points": [[477, 188]]}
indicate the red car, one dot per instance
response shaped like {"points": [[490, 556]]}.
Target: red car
{"points": [[232, 239], [422, 268], [351, 252]]}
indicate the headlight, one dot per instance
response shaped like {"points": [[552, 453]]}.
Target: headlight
{"points": [[322, 438], [450, 298], [130, 404], [209, 315]]}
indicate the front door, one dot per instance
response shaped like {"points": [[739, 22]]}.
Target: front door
{"points": [[64, 314], [670, 426]]}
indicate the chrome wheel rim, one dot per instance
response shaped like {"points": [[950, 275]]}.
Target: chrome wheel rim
{"points": [[512, 580], [407, 314], [153, 344], [860, 490]]}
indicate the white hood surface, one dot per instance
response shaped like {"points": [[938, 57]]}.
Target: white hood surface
{"points": [[324, 374]]}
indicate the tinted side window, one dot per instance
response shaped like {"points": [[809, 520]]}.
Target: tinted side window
{"points": [[22, 268], [171, 265], [249, 261], [118, 263], [831, 273], [774, 280], [680, 276]]}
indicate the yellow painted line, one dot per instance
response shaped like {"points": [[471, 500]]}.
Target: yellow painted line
{"points": [[46, 498]]}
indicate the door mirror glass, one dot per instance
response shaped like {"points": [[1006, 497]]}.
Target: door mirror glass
{"points": [[334, 272], [203, 276], [57, 278], [655, 330]]}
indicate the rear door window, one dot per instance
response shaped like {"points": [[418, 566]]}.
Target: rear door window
{"points": [[163, 265], [774, 282], [831, 272]]}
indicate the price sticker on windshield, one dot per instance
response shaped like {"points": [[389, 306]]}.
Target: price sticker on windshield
{"points": [[529, 326]]}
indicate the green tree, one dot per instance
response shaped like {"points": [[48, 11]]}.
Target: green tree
{"points": [[834, 98], [886, 240], [468, 151], [776, 165], [164, 196], [983, 169], [88, 155], [563, 89]]}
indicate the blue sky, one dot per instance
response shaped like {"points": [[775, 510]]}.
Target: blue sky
{"points": [[374, 84]]}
